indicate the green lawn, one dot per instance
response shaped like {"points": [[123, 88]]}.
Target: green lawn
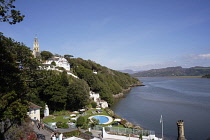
{"points": [[57, 119], [62, 119]]}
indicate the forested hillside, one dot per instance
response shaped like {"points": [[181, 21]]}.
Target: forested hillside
{"points": [[106, 82], [206, 76], [24, 81], [174, 71]]}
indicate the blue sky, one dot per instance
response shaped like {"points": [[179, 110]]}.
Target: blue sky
{"points": [[119, 34]]}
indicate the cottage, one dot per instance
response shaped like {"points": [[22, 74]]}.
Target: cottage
{"points": [[34, 111]]}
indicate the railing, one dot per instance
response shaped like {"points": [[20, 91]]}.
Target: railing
{"points": [[120, 130], [48, 127]]}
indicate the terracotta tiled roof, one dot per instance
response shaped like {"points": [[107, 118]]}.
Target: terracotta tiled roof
{"points": [[33, 106]]}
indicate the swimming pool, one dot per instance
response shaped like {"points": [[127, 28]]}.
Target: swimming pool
{"points": [[102, 119]]}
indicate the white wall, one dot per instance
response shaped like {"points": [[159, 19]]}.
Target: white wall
{"points": [[34, 114]]}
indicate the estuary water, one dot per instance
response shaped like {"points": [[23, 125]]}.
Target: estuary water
{"points": [[175, 99]]}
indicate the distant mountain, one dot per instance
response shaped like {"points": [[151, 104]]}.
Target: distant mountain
{"points": [[174, 71], [128, 71]]}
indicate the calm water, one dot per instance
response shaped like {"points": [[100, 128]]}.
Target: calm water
{"points": [[176, 99]]}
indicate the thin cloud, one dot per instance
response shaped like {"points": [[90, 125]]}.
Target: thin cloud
{"points": [[199, 56], [204, 56]]}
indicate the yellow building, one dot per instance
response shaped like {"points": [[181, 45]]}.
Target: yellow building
{"points": [[34, 111]]}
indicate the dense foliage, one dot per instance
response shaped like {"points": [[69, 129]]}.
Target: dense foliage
{"points": [[14, 56], [206, 76], [174, 71], [46, 55], [106, 82]]}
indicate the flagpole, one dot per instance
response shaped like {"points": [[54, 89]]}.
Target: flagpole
{"points": [[161, 121], [162, 129]]}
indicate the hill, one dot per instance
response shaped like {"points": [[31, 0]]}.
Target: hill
{"points": [[25, 77], [105, 81], [128, 71], [206, 76], [174, 71]]}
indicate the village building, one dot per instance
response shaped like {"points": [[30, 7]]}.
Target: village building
{"points": [[54, 62], [96, 98], [34, 111]]}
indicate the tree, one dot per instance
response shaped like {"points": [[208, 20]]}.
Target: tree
{"points": [[64, 79], [53, 63], [46, 55], [77, 95], [56, 97], [13, 104], [94, 122], [50, 90], [68, 56], [80, 122], [8, 12]]}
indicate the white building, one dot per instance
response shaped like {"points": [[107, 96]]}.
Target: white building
{"points": [[96, 98], [59, 62], [103, 104]]}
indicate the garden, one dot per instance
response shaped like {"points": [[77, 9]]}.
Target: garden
{"points": [[80, 118]]}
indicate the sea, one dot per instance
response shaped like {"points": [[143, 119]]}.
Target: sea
{"points": [[186, 99]]}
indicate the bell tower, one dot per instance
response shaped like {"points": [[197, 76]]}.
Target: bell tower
{"points": [[36, 51]]}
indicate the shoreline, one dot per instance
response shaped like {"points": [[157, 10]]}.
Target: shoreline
{"points": [[124, 91], [119, 96]]}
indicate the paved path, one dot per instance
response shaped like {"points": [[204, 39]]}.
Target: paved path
{"points": [[42, 134]]}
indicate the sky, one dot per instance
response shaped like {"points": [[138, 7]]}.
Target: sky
{"points": [[119, 34]]}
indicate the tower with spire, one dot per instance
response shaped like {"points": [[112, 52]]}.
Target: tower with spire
{"points": [[36, 51]]}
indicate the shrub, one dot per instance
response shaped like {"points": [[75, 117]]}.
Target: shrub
{"points": [[88, 132], [60, 68], [75, 133], [80, 121], [60, 113], [53, 63], [88, 106], [86, 135], [123, 122], [94, 104], [85, 126], [62, 125], [109, 111]]}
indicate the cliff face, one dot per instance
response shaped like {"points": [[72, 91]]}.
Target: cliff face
{"points": [[174, 71]]}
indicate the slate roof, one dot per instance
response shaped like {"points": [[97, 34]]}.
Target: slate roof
{"points": [[33, 106]]}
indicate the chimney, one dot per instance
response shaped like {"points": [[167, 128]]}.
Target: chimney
{"points": [[180, 125]]}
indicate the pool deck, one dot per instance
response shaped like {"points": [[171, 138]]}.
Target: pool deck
{"points": [[109, 121]]}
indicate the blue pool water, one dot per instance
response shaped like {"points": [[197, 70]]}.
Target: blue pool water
{"points": [[102, 119]]}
